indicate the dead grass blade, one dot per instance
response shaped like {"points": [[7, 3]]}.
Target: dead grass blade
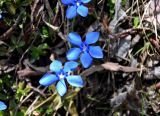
{"points": [[116, 67]]}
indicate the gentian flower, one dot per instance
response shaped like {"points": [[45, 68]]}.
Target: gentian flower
{"points": [[84, 49], [76, 7], [62, 73], [2, 106], [0, 16]]}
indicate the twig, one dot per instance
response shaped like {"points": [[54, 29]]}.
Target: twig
{"points": [[60, 34], [56, 15], [37, 69], [31, 106], [110, 66], [42, 103], [130, 31], [49, 25], [6, 69], [27, 97], [33, 9], [91, 70], [27, 72], [38, 90], [10, 30], [47, 5]]}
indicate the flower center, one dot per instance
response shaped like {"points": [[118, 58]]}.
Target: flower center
{"points": [[84, 47], [61, 76], [77, 2]]}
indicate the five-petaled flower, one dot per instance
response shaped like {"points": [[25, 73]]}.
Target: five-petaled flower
{"points": [[84, 49], [2, 106], [62, 73], [74, 7]]}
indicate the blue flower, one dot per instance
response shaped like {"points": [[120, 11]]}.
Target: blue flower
{"points": [[62, 73], [0, 16], [74, 7], [84, 49], [2, 106]]}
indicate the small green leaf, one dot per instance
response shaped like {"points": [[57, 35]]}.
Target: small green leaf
{"points": [[135, 21], [45, 33], [43, 46], [36, 52]]}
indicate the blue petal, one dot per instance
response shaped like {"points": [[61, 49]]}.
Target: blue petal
{"points": [[2, 106], [55, 66], [0, 16], [75, 38], [73, 53], [61, 87], [75, 80], [92, 37], [82, 10], [71, 12], [48, 79], [85, 1], [67, 2], [95, 52], [70, 66], [86, 60]]}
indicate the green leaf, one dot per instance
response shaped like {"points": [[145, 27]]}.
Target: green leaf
{"points": [[36, 52], [136, 21], [43, 46], [15, 44], [124, 2], [113, 1], [45, 33]]}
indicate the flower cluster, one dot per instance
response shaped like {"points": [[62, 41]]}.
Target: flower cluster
{"points": [[84, 50], [61, 73]]}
